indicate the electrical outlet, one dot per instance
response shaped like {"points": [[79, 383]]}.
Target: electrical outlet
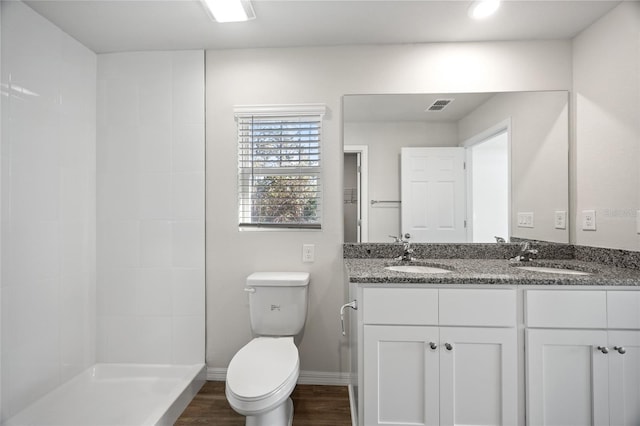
{"points": [[560, 219], [308, 253], [588, 220], [525, 220]]}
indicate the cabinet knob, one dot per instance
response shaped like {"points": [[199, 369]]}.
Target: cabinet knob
{"points": [[603, 349], [433, 346], [621, 350], [448, 346]]}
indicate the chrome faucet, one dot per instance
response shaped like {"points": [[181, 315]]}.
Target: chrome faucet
{"points": [[406, 247], [526, 253]]}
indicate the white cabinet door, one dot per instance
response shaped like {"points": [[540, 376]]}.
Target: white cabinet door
{"points": [[478, 376], [624, 377], [432, 184], [567, 378], [400, 375]]}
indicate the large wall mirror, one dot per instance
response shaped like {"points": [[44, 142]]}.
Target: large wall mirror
{"points": [[456, 167]]}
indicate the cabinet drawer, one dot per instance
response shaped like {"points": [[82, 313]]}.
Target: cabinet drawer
{"points": [[411, 306], [623, 309], [478, 307], [566, 309]]}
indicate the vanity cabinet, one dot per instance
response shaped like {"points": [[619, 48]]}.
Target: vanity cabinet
{"points": [[583, 357], [438, 356]]}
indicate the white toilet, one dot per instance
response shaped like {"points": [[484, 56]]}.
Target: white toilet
{"points": [[262, 375]]}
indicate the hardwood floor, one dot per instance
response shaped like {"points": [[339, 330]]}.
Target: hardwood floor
{"points": [[313, 406]]}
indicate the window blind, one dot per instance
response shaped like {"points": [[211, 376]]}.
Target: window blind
{"points": [[279, 173]]}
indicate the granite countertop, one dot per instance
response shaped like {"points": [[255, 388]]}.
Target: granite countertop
{"points": [[491, 271]]}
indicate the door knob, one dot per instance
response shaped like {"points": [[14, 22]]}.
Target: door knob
{"points": [[448, 346], [433, 346], [603, 349], [621, 350]]}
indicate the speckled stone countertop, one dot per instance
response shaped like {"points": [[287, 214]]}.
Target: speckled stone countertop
{"points": [[490, 271]]}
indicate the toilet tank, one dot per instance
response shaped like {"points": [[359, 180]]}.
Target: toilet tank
{"points": [[278, 302]]}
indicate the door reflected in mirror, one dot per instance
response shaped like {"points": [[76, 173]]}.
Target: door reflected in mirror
{"points": [[514, 159], [488, 188]]}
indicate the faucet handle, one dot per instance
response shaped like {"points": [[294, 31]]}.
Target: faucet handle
{"points": [[407, 235], [395, 238]]}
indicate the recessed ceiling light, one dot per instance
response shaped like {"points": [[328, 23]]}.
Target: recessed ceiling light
{"points": [[229, 10], [483, 8]]}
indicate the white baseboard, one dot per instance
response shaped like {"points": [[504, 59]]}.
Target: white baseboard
{"points": [[305, 378], [325, 378], [216, 374]]}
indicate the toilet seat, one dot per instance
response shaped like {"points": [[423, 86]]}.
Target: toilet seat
{"points": [[262, 374]]}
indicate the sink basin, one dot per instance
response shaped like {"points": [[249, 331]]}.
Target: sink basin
{"points": [[552, 270], [417, 269]]}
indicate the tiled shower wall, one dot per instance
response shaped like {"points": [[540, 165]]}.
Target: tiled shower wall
{"points": [[48, 153], [150, 207]]}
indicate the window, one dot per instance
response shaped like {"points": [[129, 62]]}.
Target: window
{"points": [[279, 178]]}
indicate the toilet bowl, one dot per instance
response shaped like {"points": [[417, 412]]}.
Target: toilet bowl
{"points": [[263, 373], [260, 378]]}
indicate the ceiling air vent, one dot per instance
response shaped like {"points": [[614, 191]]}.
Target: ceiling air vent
{"points": [[439, 104]]}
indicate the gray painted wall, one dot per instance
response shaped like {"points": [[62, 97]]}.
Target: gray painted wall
{"points": [[324, 75], [606, 145]]}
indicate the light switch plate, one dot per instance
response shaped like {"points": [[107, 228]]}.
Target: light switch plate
{"points": [[588, 220], [525, 219], [560, 219]]}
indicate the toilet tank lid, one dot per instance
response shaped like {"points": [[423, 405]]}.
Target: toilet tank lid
{"points": [[278, 279]]}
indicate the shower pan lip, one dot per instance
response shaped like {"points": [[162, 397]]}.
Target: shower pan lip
{"points": [[109, 394]]}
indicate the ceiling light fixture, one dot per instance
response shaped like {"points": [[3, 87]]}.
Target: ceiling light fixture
{"points": [[483, 8], [229, 10]]}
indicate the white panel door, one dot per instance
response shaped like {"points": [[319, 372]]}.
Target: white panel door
{"points": [[478, 376], [400, 375], [567, 378], [433, 194], [624, 377]]}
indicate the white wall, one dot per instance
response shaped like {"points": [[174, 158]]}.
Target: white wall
{"points": [[606, 148], [310, 75], [385, 140], [150, 209], [48, 207], [539, 155], [2, 118]]}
